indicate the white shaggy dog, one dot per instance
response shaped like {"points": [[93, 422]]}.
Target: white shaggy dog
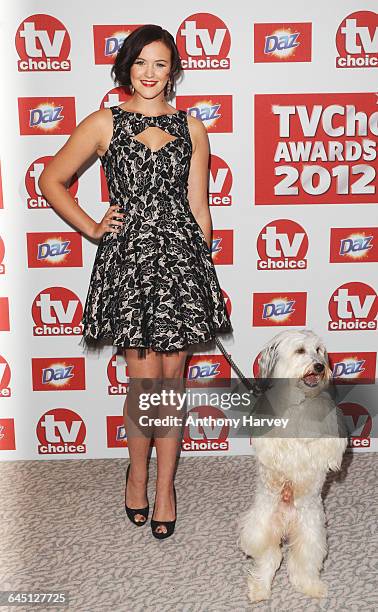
{"points": [[292, 469]]}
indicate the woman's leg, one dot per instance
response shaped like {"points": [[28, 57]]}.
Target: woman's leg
{"points": [[167, 446], [139, 439]]}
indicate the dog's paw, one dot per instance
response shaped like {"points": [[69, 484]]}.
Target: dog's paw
{"points": [[257, 590], [312, 587]]}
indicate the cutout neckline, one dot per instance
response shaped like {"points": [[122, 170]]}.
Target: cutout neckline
{"points": [[124, 110]]}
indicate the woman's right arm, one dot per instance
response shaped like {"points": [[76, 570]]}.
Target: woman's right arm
{"points": [[87, 138]]}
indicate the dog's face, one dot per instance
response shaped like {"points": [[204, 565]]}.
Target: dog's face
{"points": [[296, 354]]}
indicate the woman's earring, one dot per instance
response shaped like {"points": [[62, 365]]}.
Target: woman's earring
{"points": [[132, 89], [169, 88]]}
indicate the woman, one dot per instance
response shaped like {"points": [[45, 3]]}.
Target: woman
{"points": [[153, 289]]}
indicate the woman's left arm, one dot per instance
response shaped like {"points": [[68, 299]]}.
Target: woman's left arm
{"points": [[199, 177]]}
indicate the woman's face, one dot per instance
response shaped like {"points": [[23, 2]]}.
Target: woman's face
{"points": [[150, 70]]}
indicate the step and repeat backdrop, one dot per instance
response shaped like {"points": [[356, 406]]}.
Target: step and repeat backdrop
{"points": [[288, 95]]}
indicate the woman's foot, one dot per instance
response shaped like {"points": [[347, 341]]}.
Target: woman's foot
{"points": [[135, 493], [164, 508]]}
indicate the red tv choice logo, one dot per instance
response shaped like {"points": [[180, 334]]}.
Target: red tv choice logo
{"points": [[316, 148], [215, 111], [58, 373], [43, 44], [272, 309], [282, 245], [61, 431], [5, 376], [356, 367], [36, 199], [46, 116], [2, 255], [108, 39], [203, 41], [7, 437], [118, 375], [54, 250], [114, 97], [222, 248], [360, 423], [278, 42], [116, 432], [353, 245], [4, 314], [57, 311], [207, 371], [220, 182], [353, 306], [357, 41], [205, 437]]}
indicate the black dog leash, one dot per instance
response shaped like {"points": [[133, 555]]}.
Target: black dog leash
{"points": [[253, 387]]}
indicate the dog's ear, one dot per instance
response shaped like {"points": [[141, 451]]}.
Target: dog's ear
{"points": [[326, 361], [267, 360]]}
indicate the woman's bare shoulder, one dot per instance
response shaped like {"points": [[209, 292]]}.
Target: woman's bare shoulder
{"points": [[100, 122], [198, 132]]}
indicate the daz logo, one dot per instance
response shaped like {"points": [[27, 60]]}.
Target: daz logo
{"points": [[271, 309], [357, 41], [54, 249], [203, 41], [357, 367], [7, 435], [277, 42], [58, 373], [108, 39], [57, 311], [282, 245], [43, 44], [215, 111], [208, 371], [353, 306], [61, 431], [354, 244], [41, 117]]}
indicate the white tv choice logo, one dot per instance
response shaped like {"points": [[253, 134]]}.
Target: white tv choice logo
{"points": [[57, 311], [282, 245], [203, 41], [357, 41], [43, 44], [61, 431], [353, 306]]}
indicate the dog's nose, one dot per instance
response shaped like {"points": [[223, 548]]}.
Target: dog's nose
{"points": [[319, 367]]}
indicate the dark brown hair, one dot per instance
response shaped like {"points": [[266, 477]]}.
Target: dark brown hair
{"points": [[133, 45]]}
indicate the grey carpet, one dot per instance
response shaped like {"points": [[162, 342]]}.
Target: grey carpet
{"points": [[63, 526]]}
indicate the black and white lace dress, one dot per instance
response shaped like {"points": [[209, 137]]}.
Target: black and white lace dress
{"points": [[154, 283]]}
